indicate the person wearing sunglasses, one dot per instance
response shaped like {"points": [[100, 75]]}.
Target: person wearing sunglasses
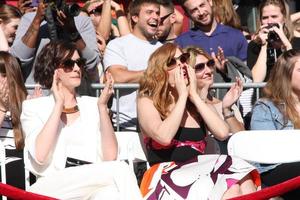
{"points": [[70, 143], [205, 67], [166, 32], [174, 121]]}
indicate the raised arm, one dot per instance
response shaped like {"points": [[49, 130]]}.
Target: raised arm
{"points": [[228, 101], [163, 131], [49, 134], [123, 24], [3, 41], [108, 138]]}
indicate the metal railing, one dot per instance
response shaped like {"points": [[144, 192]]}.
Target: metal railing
{"points": [[119, 87]]}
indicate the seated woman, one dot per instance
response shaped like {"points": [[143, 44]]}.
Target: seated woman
{"points": [[204, 66], [278, 110], [12, 94], [174, 121], [10, 17], [64, 130]]}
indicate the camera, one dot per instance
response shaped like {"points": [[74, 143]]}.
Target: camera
{"points": [[54, 28], [273, 40], [71, 10]]}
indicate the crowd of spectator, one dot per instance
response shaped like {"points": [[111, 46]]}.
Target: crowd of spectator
{"points": [[62, 48]]}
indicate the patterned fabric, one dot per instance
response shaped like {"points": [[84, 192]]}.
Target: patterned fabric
{"points": [[205, 177]]}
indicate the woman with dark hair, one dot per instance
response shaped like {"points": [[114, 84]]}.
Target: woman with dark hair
{"points": [[63, 131], [12, 94], [278, 110], [9, 20], [174, 121]]}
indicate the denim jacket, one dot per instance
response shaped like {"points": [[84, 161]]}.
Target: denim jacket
{"points": [[266, 116]]}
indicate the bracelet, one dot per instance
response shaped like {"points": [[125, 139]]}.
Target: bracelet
{"points": [[231, 114], [120, 13]]}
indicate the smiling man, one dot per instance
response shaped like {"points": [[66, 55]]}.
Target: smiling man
{"points": [[126, 57], [209, 34]]}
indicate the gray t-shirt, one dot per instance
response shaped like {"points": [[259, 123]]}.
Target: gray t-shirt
{"points": [[132, 53]]}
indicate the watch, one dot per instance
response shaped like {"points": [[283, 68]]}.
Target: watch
{"points": [[229, 115]]}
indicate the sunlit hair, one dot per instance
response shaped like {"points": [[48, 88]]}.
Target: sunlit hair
{"points": [[51, 56], [279, 89], [284, 9], [8, 12], [10, 68], [154, 84], [225, 13], [194, 52]]}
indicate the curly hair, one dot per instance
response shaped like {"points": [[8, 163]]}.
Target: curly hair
{"points": [[10, 68], [49, 59], [154, 84], [278, 88]]}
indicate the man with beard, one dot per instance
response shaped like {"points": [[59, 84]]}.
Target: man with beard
{"points": [[126, 57], [209, 34], [166, 32]]}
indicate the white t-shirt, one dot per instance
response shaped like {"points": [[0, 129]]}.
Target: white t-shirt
{"points": [[132, 53]]}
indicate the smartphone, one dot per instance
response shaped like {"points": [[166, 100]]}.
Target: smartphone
{"points": [[34, 3]]}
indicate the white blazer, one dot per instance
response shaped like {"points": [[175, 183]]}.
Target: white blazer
{"points": [[35, 113]]}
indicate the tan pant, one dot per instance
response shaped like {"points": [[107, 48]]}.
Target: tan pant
{"points": [[107, 180]]}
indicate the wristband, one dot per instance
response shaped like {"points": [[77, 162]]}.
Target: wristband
{"points": [[120, 13], [231, 114]]}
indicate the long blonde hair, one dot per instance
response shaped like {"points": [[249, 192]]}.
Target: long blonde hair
{"points": [[154, 84], [279, 88]]}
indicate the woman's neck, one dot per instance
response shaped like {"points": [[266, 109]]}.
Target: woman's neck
{"points": [[70, 97]]}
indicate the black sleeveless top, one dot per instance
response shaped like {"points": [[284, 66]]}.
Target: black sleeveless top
{"points": [[187, 144]]}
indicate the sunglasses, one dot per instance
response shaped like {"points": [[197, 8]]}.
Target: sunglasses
{"points": [[162, 19], [200, 66], [96, 11], [183, 58], [69, 64]]}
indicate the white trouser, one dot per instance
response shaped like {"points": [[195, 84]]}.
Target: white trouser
{"points": [[111, 180]]}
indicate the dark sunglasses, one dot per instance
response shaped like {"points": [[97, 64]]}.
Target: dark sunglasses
{"points": [[95, 11], [162, 19], [200, 66], [69, 64], [183, 58]]}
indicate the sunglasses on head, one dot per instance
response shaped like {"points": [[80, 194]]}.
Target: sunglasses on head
{"points": [[200, 66], [69, 64], [95, 11], [183, 58], [162, 19]]}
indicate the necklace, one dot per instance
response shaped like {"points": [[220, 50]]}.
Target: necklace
{"points": [[70, 110]]}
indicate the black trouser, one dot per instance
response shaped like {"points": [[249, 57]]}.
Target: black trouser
{"points": [[283, 173]]}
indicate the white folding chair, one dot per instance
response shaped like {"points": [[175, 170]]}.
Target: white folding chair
{"points": [[2, 163], [266, 146], [130, 147]]}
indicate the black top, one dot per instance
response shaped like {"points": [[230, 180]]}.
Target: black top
{"points": [[187, 144], [272, 54]]}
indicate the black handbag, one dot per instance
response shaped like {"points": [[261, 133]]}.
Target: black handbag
{"points": [[73, 162]]}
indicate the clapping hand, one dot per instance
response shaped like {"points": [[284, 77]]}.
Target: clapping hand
{"points": [[233, 94], [108, 90], [57, 90], [220, 60]]}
